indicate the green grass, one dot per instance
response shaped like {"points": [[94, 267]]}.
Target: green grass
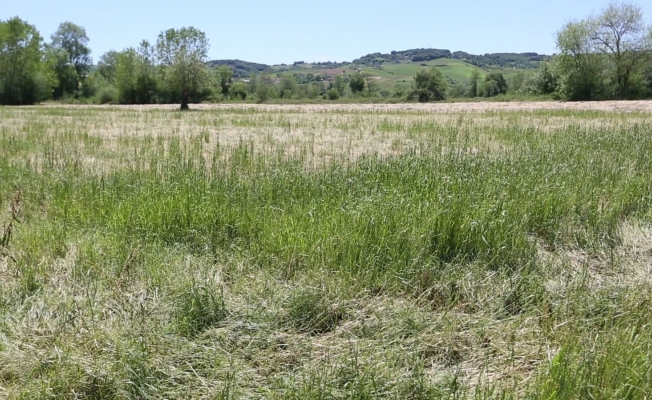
{"points": [[251, 253]]}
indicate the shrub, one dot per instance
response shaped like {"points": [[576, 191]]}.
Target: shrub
{"points": [[332, 94], [107, 95]]}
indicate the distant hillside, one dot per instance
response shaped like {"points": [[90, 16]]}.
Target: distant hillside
{"points": [[505, 60], [398, 68], [241, 69], [378, 60]]}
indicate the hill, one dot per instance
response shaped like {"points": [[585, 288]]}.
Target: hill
{"points": [[399, 67]]}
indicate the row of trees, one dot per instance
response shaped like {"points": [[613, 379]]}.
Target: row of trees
{"points": [[32, 71], [604, 56]]}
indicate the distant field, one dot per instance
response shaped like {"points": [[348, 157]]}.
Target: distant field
{"points": [[391, 74], [399, 251]]}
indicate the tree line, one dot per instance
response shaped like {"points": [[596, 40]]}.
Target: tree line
{"points": [[603, 56]]}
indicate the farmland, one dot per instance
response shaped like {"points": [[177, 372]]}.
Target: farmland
{"points": [[388, 75], [326, 251]]}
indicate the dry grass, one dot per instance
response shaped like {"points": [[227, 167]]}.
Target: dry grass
{"points": [[97, 302]]}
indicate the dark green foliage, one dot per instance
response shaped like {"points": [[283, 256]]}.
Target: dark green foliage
{"points": [[108, 95], [508, 60], [223, 76], [545, 81], [429, 85], [356, 83], [604, 56], [71, 43], [288, 87], [182, 55], [239, 90], [24, 78], [332, 94], [241, 69], [494, 84]]}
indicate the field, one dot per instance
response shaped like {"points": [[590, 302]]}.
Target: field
{"points": [[405, 251], [402, 74]]}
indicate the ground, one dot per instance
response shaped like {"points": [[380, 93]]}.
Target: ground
{"points": [[326, 251]]}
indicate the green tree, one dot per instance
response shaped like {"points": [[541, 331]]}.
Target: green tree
{"points": [[73, 52], [24, 77], [500, 86], [263, 88], [223, 76], [516, 82], [182, 55], [288, 87], [238, 90], [429, 85], [126, 76], [545, 80], [107, 64], [372, 85], [357, 83], [473, 83], [620, 33], [339, 84], [332, 94], [579, 65], [146, 83]]}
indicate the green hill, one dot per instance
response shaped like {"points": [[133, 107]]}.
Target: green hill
{"points": [[399, 67]]}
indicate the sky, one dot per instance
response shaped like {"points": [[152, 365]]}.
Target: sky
{"points": [[285, 31]]}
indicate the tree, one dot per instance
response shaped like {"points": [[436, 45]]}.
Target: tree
{"points": [[473, 87], [238, 90], [429, 85], [146, 84], [126, 75], [24, 78], [545, 81], [224, 78], [107, 64], [263, 88], [580, 67], [72, 44], [339, 84], [356, 83], [500, 86], [135, 75], [182, 55], [604, 56], [288, 87], [620, 32]]}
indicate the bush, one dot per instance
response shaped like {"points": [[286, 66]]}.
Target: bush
{"points": [[429, 85], [332, 94], [107, 95], [238, 90]]}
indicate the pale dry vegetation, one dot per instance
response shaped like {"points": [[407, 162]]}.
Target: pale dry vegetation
{"points": [[325, 252]]}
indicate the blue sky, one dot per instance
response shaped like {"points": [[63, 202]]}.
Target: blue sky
{"points": [[292, 30]]}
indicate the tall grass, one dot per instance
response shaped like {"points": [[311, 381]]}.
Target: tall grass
{"points": [[212, 243]]}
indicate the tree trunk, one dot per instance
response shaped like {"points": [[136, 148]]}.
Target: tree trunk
{"points": [[184, 101]]}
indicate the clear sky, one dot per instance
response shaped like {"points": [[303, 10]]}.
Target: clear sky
{"points": [[285, 31]]}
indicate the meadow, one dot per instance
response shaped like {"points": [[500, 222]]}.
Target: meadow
{"points": [[326, 252]]}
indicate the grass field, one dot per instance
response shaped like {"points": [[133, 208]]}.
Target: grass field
{"points": [[344, 252]]}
